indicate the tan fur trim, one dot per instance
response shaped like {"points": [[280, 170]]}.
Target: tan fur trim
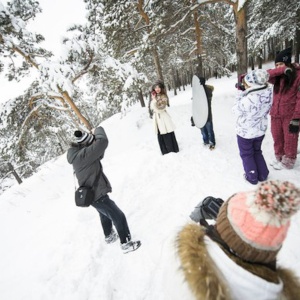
{"points": [[204, 278], [199, 269], [291, 284]]}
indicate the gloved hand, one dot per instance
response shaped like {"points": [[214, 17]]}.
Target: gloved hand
{"points": [[288, 72], [294, 126]]}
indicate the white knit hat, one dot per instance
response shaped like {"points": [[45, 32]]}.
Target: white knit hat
{"points": [[257, 77]]}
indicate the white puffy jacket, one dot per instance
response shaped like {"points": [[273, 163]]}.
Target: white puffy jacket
{"points": [[251, 108]]}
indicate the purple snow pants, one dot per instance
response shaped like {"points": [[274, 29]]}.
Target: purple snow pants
{"points": [[253, 161]]}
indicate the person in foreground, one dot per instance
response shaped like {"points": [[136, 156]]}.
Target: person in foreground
{"points": [[251, 108], [85, 155], [285, 110], [164, 126], [235, 258]]}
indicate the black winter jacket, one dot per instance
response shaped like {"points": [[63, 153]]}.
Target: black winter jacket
{"points": [[209, 92], [86, 163]]}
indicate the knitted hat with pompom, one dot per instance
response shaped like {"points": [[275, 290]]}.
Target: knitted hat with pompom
{"points": [[83, 138], [255, 224]]}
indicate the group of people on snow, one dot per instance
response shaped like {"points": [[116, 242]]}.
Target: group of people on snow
{"points": [[163, 124], [235, 258], [255, 103]]}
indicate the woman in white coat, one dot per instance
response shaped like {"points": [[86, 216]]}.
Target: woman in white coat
{"points": [[164, 127]]}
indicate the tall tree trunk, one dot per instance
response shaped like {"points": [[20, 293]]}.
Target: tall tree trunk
{"points": [[178, 82], [141, 98], [297, 38], [198, 33], [174, 81], [272, 51], [251, 59], [157, 64], [241, 38], [11, 168], [69, 100], [140, 6], [260, 59]]}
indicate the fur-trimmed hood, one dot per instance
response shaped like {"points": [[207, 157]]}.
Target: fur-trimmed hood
{"points": [[205, 279]]}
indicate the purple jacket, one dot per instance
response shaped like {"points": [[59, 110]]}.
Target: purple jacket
{"points": [[286, 104]]}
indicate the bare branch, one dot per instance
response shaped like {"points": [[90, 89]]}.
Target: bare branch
{"points": [[28, 58], [33, 112], [85, 69]]}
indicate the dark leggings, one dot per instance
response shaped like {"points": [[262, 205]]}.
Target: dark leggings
{"points": [[110, 214]]}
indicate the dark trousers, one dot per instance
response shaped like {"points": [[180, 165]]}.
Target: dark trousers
{"points": [[208, 134], [167, 142], [110, 214], [253, 161]]}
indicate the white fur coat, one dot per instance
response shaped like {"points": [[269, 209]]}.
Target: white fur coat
{"points": [[162, 120]]}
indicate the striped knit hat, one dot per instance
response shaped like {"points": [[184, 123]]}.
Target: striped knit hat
{"points": [[83, 137], [255, 224]]}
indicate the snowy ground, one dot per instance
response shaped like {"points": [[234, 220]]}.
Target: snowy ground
{"points": [[53, 250]]}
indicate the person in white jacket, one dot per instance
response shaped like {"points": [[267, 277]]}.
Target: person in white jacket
{"points": [[164, 127], [251, 108]]}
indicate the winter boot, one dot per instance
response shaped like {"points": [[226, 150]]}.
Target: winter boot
{"points": [[287, 162], [276, 163], [112, 237], [251, 180], [130, 246]]}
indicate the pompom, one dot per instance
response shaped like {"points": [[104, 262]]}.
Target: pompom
{"points": [[280, 199], [78, 133]]}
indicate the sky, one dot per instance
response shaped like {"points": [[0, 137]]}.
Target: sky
{"points": [[53, 250], [57, 16]]}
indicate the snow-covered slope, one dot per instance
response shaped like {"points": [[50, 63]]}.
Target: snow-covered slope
{"points": [[53, 250]]}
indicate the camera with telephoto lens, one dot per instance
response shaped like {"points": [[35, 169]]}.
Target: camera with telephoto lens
{"points": [[207, 209]]}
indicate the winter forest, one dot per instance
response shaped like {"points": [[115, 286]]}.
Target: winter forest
{"points": [[110, 62]]}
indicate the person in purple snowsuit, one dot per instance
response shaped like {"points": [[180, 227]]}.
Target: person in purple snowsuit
{"points": [[285, 110], [251, 108]]}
